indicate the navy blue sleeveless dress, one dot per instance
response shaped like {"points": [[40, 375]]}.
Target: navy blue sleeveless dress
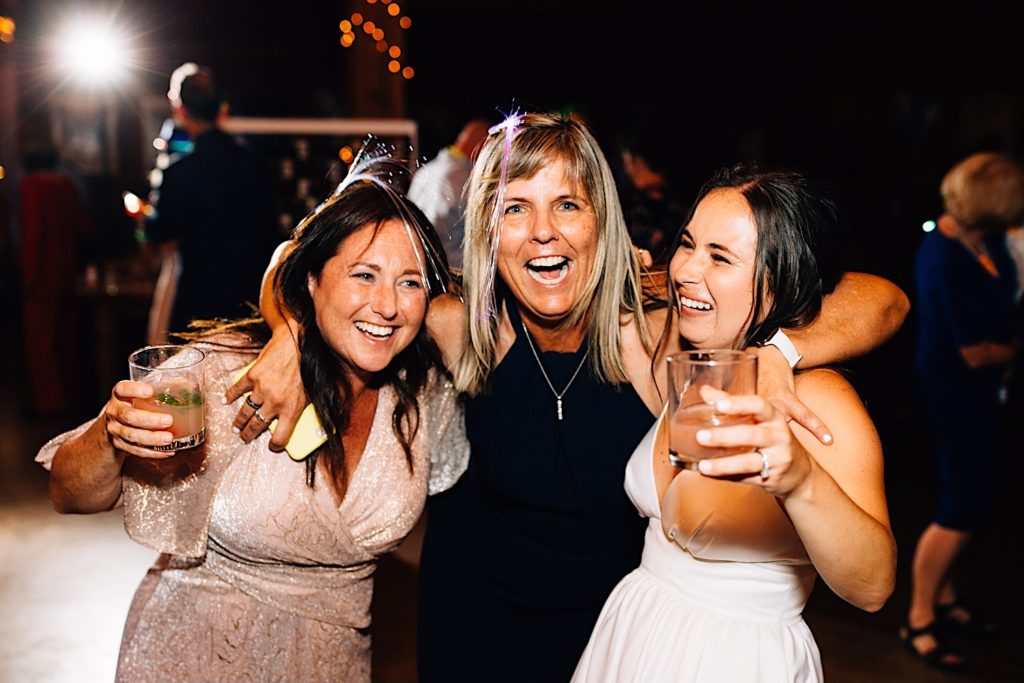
{"points": [[521, 553]]}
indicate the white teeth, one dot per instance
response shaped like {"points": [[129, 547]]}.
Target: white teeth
{"points": [[691, 303], [375, 330], [547, 261]]}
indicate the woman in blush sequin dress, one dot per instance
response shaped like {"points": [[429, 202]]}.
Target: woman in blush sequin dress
{"points": [[267, 564]]}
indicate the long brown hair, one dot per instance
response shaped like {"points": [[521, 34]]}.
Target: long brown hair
{"points": [[324, 373]]}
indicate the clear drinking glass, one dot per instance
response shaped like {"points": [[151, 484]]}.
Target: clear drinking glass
{"points": [[176, 373], [692, 408]]}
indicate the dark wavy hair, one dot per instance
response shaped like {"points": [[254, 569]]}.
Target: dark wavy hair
{"points": [[325, 373], [800, 245]]}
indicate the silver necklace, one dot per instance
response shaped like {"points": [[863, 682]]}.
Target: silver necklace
{"points": [[558, 394]]}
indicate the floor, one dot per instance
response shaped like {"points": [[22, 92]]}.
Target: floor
{"points": [[66, 581]]}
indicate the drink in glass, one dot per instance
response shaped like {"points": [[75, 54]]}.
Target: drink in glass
{"points": [[176, 374], [692, 408]]}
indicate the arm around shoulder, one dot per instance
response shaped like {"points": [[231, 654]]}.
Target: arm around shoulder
{"points": [[858, 316]]}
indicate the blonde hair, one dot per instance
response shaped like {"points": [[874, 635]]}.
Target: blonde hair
{"points": [[613, 287], [985, 193]]}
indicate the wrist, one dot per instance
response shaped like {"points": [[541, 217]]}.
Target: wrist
{"points": [[781, 341]]}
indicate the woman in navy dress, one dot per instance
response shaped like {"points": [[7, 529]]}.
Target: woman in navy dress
{"points": [[966, 287]]}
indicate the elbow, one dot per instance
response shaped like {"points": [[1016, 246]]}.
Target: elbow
{"points": [[875, 601], [897, 310]]}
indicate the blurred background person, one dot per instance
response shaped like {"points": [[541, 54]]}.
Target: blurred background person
{"points": [[966, 290], [53, 219], [208, 204], [649, 195], [437, 187]]}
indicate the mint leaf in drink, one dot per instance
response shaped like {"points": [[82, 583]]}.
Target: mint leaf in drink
{"points": [[167, 398]]}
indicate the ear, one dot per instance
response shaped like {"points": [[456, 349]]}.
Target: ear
{"points": [[949, 226], [311, 284]]}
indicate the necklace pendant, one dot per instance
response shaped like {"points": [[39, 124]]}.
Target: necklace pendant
{"points": [[558, 405]]}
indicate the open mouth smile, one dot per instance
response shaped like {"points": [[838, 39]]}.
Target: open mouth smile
{"points": [[548, 270], [376, 332], [693, 304]]}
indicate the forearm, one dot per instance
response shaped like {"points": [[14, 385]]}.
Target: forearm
{"points": [[86, 472], [861, 314], [271, 308], [854, 553]]}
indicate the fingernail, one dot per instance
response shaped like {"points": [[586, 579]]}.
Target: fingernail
{"points": [[827, 438], [703, 436], [236, 430], [704, 466], [724, 404]]}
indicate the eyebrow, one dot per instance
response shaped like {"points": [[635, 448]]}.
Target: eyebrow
{"points": [[712, 245], [375, 267], [561, 197]]}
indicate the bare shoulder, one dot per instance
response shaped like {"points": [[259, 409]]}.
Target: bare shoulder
{"points": [[836, 402], [446, 320]]}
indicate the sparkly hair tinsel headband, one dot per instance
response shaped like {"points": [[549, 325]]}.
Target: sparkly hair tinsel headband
{"points": [[510, 126], [378, 163]]}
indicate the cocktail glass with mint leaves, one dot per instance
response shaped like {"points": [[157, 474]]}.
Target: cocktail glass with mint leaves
{"points": [[176, 373]]}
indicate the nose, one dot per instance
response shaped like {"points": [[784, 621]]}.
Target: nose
{"points": [[385, 302], [686, 268], [543, 228]]}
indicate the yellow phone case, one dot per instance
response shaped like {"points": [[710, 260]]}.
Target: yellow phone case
{"points": [[308, 434]]}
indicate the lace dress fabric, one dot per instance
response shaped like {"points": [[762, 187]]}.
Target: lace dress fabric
{"points": [[718, 596], [264, 578]]}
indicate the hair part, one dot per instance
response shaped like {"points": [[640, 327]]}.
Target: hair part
{"points": [[611, 290]]}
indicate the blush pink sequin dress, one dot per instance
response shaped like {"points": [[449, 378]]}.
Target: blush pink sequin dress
{"points": [[263, 578]]}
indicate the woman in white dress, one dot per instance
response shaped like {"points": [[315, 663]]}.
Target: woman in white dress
{"points": [[732, 550]]}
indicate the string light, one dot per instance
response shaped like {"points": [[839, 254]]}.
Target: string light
{"points": [[2, 172], [7, 27], [345, 154], [376, 32]]}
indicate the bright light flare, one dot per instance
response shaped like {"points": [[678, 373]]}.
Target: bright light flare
{"points": [[93, 51], [928, 226]]}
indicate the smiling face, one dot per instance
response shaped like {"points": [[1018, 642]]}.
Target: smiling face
{"points": [[548, 243], [370, 298], [713, 271]]}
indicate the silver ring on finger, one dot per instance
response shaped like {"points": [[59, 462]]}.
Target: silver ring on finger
{"points": [[765, 466], [252, 404], [259, 417]]}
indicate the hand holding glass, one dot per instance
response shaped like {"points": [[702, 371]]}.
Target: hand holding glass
{"points": [[176, 374], [691, 407]]}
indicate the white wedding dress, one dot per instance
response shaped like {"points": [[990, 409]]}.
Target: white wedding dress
{"points": [[722, 602]]}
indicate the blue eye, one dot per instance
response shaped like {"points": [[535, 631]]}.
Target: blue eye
{"points": [[568, 206], [366, 277], [514, 208], [411, 284]]}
